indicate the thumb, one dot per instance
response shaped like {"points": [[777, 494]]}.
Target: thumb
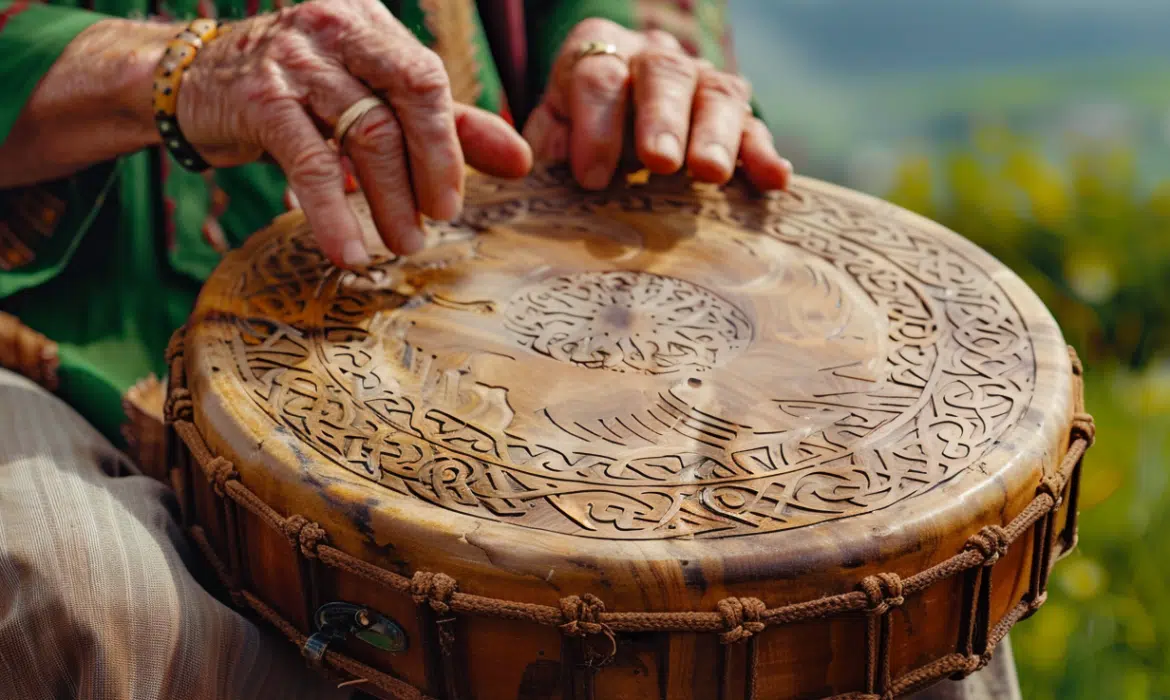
{"points": [[490, 144]]}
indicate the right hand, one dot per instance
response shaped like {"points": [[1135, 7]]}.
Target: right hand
{"points": [[276, 84]]}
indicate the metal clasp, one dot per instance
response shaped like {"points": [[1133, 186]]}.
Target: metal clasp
{"points": [[336, 621]]}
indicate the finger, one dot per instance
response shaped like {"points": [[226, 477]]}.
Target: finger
{"points": [[548, 135], [664, 89], [412, 78], [490, 145], [665, 41], [375, 146], [766, 169], [592, 94], [315, 176], [720, 109], [598, 101]]}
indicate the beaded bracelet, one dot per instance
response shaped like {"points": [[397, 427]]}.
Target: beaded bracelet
{"points": [[167, 77]]}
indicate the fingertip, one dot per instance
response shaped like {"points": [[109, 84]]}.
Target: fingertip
{"points": [[594, 177], [662, 155], [492, 146], [354, 255]]}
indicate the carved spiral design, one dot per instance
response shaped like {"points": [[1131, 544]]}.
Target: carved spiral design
{"points": [[628, 321], [330, 358]]}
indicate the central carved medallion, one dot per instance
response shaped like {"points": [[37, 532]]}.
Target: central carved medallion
{"points": [[852, 359], [628, 321]]}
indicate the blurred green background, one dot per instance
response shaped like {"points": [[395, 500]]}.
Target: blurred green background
{"points": [[1040, 129]]}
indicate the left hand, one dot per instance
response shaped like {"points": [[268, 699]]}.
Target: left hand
{"points": [[684, 112]]}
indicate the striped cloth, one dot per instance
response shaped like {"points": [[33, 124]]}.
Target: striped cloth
{"points": [[97, 602]]}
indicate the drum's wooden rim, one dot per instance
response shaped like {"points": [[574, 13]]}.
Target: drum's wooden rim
{"points": [[496, 558], [736, 618]]}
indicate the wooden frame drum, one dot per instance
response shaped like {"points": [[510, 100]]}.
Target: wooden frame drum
{"points": [[663, 441]]}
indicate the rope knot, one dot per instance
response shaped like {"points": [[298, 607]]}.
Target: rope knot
{"points": [[304, 533], [312, 536], [436, 589], [1052, 485], [741, 618], [991, 542], [1084, 427], [883, 592], [582, 615], [178, 405], [219, 472]]}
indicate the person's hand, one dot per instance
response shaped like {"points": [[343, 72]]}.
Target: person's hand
{"points": [[685, 113], [277, 84]]}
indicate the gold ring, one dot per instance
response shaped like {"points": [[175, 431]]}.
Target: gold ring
{"points": [[597, 48], [350, 116]]}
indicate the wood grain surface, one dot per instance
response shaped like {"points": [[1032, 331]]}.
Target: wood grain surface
{"points": [[662, 394]]}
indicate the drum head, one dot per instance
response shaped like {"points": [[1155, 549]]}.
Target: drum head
{"points": [[572, 390]]}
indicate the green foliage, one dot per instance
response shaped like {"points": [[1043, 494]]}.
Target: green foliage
{"points": [[1098, 253]]}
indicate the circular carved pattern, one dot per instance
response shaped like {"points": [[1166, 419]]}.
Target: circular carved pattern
{"points": [[628, 321], [342, 365]]}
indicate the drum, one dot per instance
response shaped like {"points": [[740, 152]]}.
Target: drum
{"points": [[665, 441]]}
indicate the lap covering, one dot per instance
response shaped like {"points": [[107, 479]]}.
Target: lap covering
{"points": [[96, 601]]}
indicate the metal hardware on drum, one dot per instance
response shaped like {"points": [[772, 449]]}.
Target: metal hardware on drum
{"points": [[337, 621]]}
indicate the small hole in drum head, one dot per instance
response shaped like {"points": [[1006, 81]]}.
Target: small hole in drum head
{"points": [[694, 382]]}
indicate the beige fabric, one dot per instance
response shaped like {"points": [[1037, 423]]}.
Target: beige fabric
{"points": [[96, 602]]}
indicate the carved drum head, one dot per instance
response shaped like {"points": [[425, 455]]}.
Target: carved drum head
{"points": [[654, 362]]}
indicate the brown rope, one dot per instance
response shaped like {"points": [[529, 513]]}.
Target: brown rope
{"points": [[735, 619], [435, 589], [741, 618]]}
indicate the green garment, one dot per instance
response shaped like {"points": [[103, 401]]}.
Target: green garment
{"points": [[120, 267]]}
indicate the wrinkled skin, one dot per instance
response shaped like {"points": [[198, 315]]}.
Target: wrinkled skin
{"points": [[278, 84], [275, 85], [684, 112]]}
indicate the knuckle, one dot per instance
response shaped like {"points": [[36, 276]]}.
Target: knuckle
{"points": [[595, 26], [373, 132], [718, 84], [661, 37], [292, 51], [313, 166], [670, 65], [602, 79], [424, 76], [317, 17]]}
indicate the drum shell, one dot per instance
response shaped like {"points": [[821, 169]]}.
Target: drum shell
{"points": [[872, 605], [502, 659]]}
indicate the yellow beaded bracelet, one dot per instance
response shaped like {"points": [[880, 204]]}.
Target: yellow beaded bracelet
{"points": [[167, 77]]}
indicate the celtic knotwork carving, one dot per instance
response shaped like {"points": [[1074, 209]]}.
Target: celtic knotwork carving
{"points": [[628, 321], [834, 361]]}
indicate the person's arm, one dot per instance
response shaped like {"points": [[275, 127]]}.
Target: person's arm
{"points": [[277, 84], [77, 89]]}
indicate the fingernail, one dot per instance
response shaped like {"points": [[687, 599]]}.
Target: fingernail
{"points": [[787, 165], [354, 255], [596, 177], [669, 147], [718, 156], [412, 241]]}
